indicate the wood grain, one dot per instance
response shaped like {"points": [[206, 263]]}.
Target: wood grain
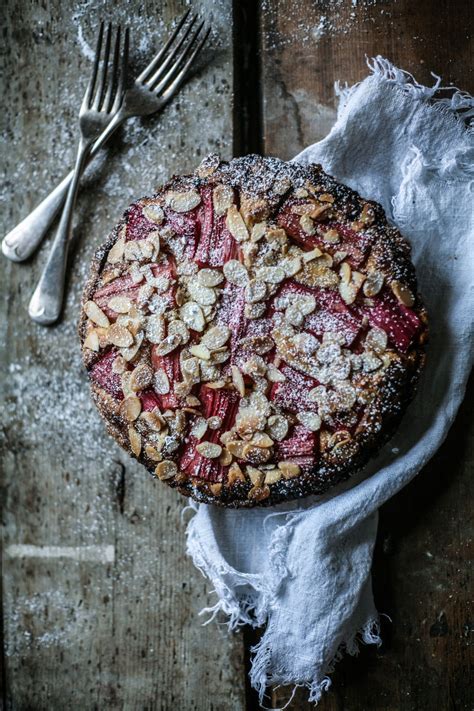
{"points": [[84, 634], [423, 551]]}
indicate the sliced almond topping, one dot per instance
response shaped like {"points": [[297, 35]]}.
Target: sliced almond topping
{"points": [[152, 453], [236, 273], [153, 419], [135, 441], [376, 340], [141, 378], [210, 277], [193, 401], [252, 311], [166, 469], [274, 375], [216, 489], [116, 252], [326, 197], [260, 439], [272, 275], [210, 450], [277, 427], [345, 272], [129, 354], [161, 383], [236, 448], [119, 336], [216, 337], [373, 283], [199, 428], [348, 292], [201, 352], [258, 231], [313, 254], [182, 202], [130, 408], [234, 474], [289, 469], [92, 341], [292, 266], [310, 420], [192, 315], [168, 344], [120, 304], [180, 329], [259, 493], [403, 293], [222, 198], [119, 365], [293, 315], [214, 422], [272, 476], [370, 362], [255, 455], [307, 225], [331, 237], [202, 294], [226, 458], [154, 213], [216, 384], [96, 314], [238, 380], [255, 476], [125, 383], [236, 225]]}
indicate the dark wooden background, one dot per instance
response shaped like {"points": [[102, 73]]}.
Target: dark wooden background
{"points": [[125, 634]]}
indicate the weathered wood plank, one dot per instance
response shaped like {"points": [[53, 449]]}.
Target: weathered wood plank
{"points": [[422, 558], [121, 634]]}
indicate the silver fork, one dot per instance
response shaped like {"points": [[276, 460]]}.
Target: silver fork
{"points": [[152, 89], [101, 103]]}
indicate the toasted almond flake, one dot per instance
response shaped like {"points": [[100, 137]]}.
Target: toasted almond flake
{"points": [[310, 420], [292, 266], [258, 231], [255, 475], [96, 314], [313, 254], [201, 352], [294, 316], [277, 427], [193, 401], [236, 225], [326, 197], [253, 311], [271, 275], [376, 340], [199, 428], [236, 448], [348, 292], [125, 383], [234, 474], [345, 272], [92, 341], [216, 337], [259, 493], [119, 336], [403, 293], [301, 193], [236, 273], [209, 450], [289, 469], [226, 458], [135, 441], [373, 283], [161, 383], [216, 489], [120, 304], [129, 354], [116, 252], [130, 408], [182, 201], [370, 362], [210, 277], [216, 384], [338, 438], [153, 419], [141, 378], [202, 295], [166, 469], [154, 213], [272, 476], [274, 375], [255, 455], [307, 225], [152, 453], [260, 439], [192, 315], [119, 365], [180, 329], [168, 344], [222, 198], [238, 380], [214, 422], [331, 236], [306, 303]]}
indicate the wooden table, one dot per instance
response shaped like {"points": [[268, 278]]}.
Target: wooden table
{"points": [[100, 602]]}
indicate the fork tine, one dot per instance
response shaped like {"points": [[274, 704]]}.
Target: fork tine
{"points": [[158, 88], [181, 76], [157, 59], [113, 74], [99, 94], [91, 86], [172, 57], [122, 77]]}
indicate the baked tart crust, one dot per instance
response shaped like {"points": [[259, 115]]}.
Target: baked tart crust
{"points": [[252, 332]]}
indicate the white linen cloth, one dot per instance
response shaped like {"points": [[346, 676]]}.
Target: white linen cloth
{"points": [[303, 569]]}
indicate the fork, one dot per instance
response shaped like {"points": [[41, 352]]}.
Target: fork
{"points": [[101, 103], [152, 89]]}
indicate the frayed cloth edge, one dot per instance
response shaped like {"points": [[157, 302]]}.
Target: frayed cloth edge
{"points": [[261, 676]]}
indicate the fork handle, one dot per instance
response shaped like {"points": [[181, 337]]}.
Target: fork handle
{"points": [[47, 300], [25, 238]]}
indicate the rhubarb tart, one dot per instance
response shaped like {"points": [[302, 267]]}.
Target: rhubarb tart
{"points": [[253, 332]]}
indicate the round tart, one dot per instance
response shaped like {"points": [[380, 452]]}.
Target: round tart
{"points": [[252, 332]]}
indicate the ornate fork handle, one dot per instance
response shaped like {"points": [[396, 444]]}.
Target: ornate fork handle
{"points": [[25, 238]]}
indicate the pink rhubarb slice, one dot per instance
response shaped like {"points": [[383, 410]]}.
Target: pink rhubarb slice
{"points": [[400, 323]]}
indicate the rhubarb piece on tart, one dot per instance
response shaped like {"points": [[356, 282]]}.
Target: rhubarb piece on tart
{"points": [[253, 331]]}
